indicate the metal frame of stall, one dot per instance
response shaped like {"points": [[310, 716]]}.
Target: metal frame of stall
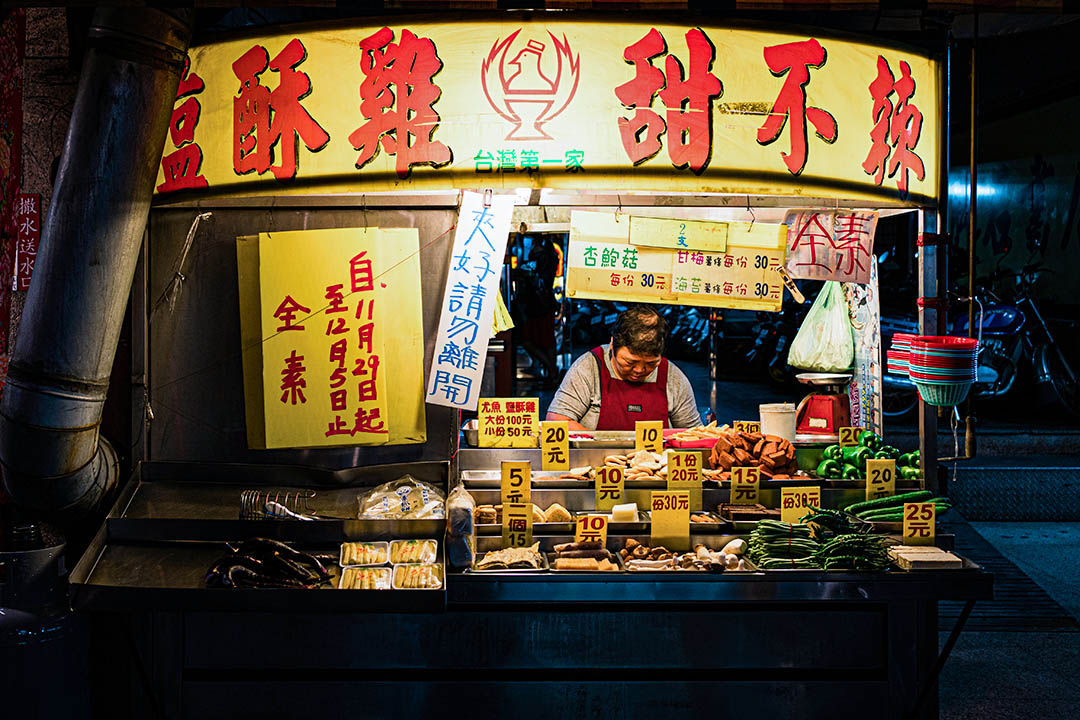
{"points": [[646, 644]]}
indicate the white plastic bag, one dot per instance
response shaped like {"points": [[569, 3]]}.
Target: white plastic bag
{"points": [[824, 342]]}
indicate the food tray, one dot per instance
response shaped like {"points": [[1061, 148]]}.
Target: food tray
{"points": [[619, 567], [381, 575], [429, 553], [720, 522], [496, 571], [492, 479], [602, 439], [403, 568], [383, 546]]}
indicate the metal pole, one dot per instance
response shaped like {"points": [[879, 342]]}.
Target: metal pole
{"points": [[53, 458]]}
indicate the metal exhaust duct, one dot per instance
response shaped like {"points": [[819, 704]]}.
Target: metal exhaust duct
{"points": [[51, 455]]}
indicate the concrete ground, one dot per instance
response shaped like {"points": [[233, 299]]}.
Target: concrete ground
{"points": [[1028, 672]]}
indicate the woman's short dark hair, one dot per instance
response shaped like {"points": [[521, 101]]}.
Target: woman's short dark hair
{"points": [[641, 330]]}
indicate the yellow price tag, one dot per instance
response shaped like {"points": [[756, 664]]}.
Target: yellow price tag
{"points": [[508, 422], [849, 436], [591, 528], [747, 426], [516, 482], [649, 435], [609, 487], [555, 445], [670, 510], [745, 482], [880, 478], [684, 473], [794, 502], [920, 523], [517, 524]]}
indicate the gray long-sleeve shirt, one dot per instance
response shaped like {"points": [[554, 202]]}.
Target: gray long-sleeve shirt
{"points": [[578, 398]]}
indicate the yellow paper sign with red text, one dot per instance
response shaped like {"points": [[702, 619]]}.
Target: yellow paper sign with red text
{"points": [[795, 501], [591, 528], [609, 487], [669, 512], [508, 422], [317, 311], [920, 523]]}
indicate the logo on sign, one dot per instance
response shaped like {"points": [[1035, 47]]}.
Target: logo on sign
{"points": [[527, 91]]}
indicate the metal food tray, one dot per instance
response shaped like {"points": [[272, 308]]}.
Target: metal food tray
{"points": [[619, 566], [557, 528], [541, 479], [497, 571], [604, 439]]}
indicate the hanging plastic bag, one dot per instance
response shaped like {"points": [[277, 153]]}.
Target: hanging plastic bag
{"points": [[824, 342]]}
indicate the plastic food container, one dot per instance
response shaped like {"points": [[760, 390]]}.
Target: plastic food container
{"points": [[778, 419], [365, 578], [414, 551], [418, 576], [356, 554]]}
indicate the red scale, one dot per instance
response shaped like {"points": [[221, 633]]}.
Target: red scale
{"points": [[820, 415]]}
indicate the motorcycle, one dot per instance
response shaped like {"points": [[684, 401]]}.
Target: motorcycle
{"points": [[1013, 339]]}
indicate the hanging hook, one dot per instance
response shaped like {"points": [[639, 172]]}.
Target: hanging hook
{"points": [[487, 197], [753, 217], [618, 199]]}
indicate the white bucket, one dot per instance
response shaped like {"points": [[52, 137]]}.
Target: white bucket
{"points": [[778, 419]]}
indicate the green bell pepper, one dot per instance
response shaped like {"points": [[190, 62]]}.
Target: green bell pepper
{"points": [[910, 472], [851, 472], [883, 455], [828, 469], [870, 439], [857, 455], [889, 451], [906, 460], [833, 452]]}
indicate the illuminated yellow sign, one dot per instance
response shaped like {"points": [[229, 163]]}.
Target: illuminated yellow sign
{"points": [[560, 104]]}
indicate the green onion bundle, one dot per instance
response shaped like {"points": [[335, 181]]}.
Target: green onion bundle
{"points": [[775, 545]]}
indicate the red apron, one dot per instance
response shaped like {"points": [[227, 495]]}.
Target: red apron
{"points": [[622, 403]]}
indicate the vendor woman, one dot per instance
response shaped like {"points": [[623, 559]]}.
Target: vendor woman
{"points": [[628, 380]]}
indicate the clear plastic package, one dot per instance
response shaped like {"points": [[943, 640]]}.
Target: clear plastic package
{"points": [[403, 499], [414, 551], [363, 553], [418, 576], [365, 578]]}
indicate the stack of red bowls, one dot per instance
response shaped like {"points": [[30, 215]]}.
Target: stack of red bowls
{"points": [[943, 367], [897, 357]]}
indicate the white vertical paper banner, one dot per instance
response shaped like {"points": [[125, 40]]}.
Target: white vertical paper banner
{"points": [[864, 392], [468, 307]]}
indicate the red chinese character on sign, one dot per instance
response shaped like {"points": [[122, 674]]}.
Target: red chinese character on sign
{"points": [[398, 101], [287, 312], [688, 100], [264, 118], [852, 240], [795, 60], [366, 388], [812, 233], [368, 421], [361, 278], [182, 167], [292, 379], [896, 128], [339, 400]]}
